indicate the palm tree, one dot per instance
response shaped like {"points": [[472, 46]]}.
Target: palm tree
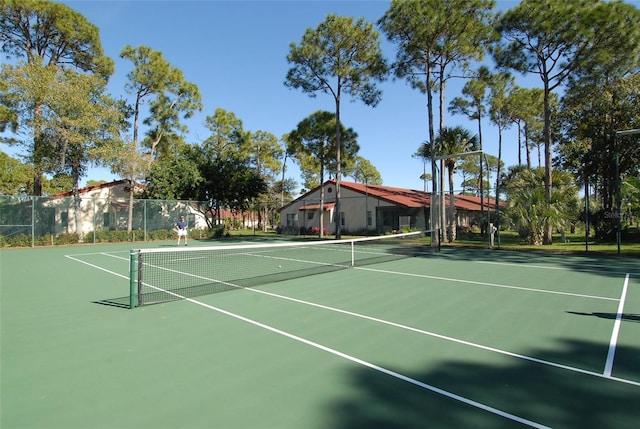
{"points": [[450, 144], [631, 194], [528, 206]]}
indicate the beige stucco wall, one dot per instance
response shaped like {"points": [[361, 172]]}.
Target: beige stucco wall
{"points": [[108, 207], [354, 205]]}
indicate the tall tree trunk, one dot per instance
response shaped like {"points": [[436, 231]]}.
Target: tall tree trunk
{"points": [[338, 215], [130, 211], [321, 210], [497, 216], [443, 206], [527, 146], [481, 179], [435, 227], [452, 206], [284, 169], [519, 144], [548, 183], [38, 143], [77, 209], [132, 177]]}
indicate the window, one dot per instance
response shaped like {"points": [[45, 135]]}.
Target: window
{"points": [[310, 214], [291, 219], [369, 218], [105, 219], [64, 219], [342, 218]]}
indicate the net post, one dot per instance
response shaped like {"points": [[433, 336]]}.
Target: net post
{"points": [[138, 294], [132, 278]]}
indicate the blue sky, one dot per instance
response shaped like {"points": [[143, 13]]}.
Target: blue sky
{"points": [[235, 51]]}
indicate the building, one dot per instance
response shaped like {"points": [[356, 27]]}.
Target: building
{"points": [[372, 208], [106, 206]]}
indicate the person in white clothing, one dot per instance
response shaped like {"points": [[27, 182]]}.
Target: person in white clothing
{"points": [[181, 227]]}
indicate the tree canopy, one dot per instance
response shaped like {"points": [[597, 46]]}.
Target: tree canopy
{"points": [[314, 144], [557, 39], [339, 56], [586, 53], [44, 36]]}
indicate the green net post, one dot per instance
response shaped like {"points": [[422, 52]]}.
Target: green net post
{"points": [[132, 279]]}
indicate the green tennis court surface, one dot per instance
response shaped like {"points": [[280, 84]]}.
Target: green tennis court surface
{"points": [[456, 339]]}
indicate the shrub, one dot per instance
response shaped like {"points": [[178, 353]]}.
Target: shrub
{"points": [[66, 238], [315, 230], [217, 232], [161, 234], [20, 240]]}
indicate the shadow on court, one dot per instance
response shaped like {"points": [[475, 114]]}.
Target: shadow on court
{"points": [[539, 393], [596, 264], [613, 316]]}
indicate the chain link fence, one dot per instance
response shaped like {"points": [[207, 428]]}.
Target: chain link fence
{"points": [[27, 221], [579, 217], [576, 216], [571, 217]]}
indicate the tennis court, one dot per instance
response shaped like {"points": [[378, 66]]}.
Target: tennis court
{"points": [[459, 338]]}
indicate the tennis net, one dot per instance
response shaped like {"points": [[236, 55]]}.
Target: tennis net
{"points": [[166, 274]]}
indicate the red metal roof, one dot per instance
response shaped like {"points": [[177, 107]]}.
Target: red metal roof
{"points": [[403, 197], [398, 196]]}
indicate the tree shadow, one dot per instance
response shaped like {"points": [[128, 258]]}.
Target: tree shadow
{"points": [[613, 316], [539, 393], [596, 264]]}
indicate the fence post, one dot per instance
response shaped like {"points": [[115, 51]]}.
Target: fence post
{"points": [[145, 220], [132, 279], [93, 200], [586, 214], [33, 222]]}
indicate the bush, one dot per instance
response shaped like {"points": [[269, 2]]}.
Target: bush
{"points": [[161, 234], [315, 230], [217, 232], [57, 240], [20, 240], [288, 230], [103, 235]]}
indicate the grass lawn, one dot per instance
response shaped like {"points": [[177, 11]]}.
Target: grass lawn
{"points": [[575, 243]]}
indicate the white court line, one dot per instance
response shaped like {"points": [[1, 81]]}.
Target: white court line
{"points": [[97, 253], [424, 276], [351, 358], [608, 367], [442, 337], [98, 267], [394, 324], [448, 279], [398, 325], [383, 370], [370, 365], [111, 255], [596, 268]]}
